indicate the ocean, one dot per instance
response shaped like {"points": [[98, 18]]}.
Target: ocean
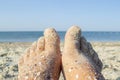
{"points": [[24, 36]]}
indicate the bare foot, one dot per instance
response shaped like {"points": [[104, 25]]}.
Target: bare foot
{"points": [[79, 61], [42, 61]]}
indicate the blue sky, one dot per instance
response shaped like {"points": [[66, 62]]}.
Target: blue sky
{"points": [[36, 15]]}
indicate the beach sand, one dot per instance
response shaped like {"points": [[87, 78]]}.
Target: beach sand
{"points": [[109, 53]]}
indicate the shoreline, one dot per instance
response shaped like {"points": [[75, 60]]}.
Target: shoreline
{"points": [[60, 41], [10, 52]]}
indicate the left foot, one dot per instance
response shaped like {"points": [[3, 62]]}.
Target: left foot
{"points": [[42, 61]]}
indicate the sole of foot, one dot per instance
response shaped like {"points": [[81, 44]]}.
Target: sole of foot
{"points": [[79, 60], [42, 60]]}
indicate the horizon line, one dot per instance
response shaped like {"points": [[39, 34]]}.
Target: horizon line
{"points": [[59, 31]]}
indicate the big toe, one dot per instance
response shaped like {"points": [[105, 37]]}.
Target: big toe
{"points": [[72, 37], [52, 40]]}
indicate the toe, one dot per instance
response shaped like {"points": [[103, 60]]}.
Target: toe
{"points": [[40, 45], [72, 37], [33, 48], [73, 33], [27, 54], [52, 40]]}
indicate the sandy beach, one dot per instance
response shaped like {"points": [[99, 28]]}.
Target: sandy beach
{"points": [[109, 53]]}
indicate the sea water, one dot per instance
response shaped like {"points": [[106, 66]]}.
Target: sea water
{"points": [[25, 36]]}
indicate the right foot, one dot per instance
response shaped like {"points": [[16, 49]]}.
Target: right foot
{"points": [[78, 62], [42, 60]]}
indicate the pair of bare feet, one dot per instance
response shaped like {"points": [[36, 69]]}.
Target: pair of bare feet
{"points": [[43, 60]]}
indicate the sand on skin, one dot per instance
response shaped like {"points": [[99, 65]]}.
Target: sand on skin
{"points": [[109, 53]]}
